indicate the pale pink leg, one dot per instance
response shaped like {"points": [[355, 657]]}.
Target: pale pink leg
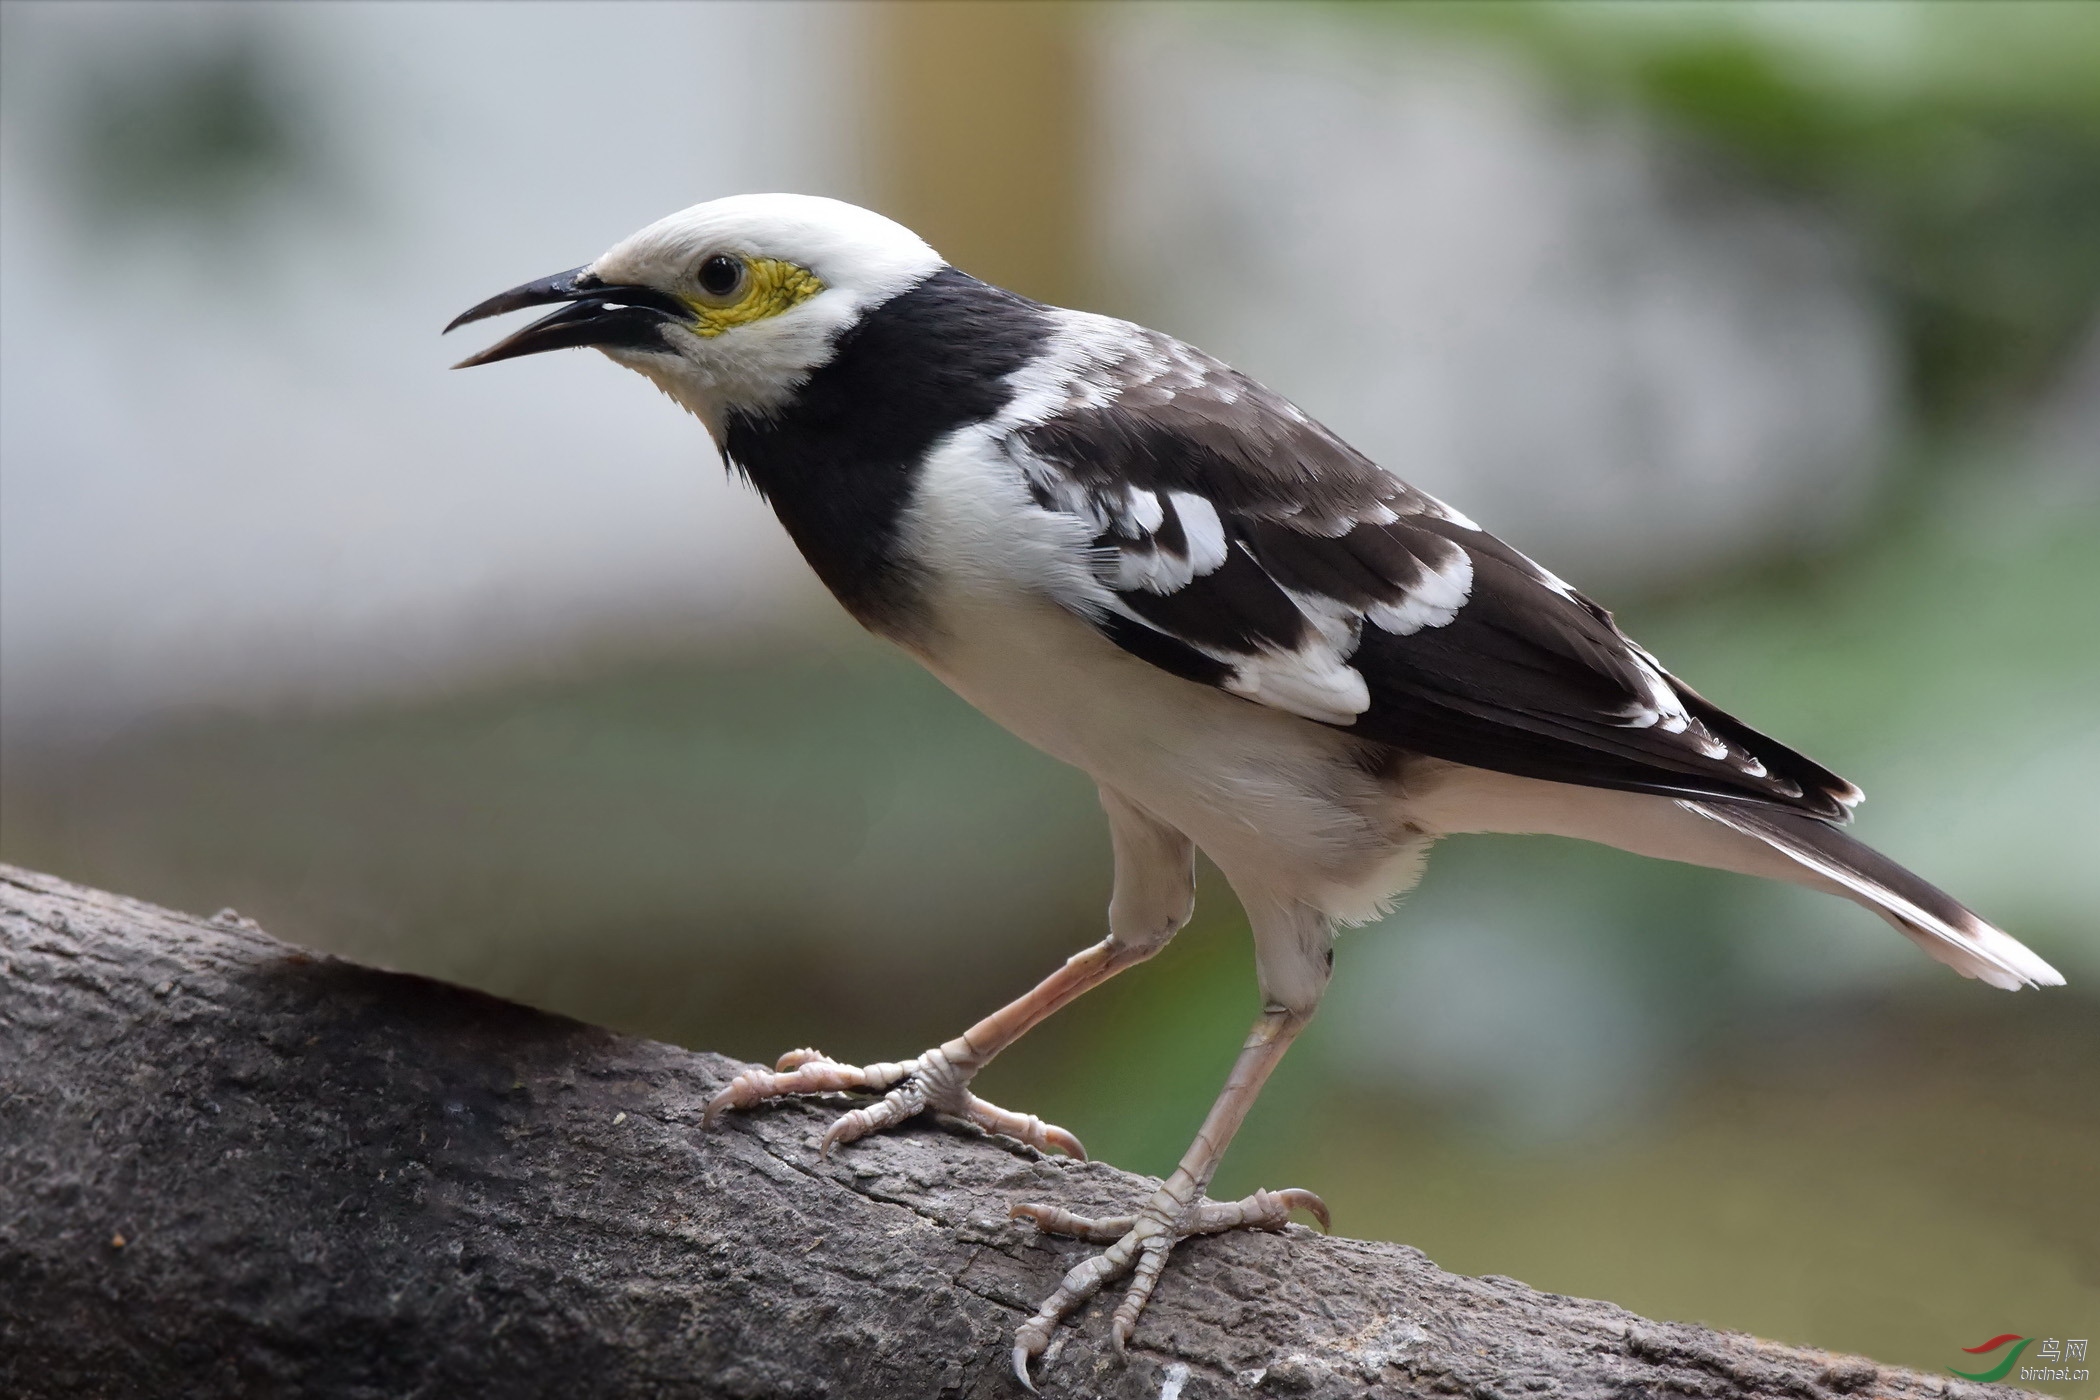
{"points": [[940, 1078], [1139, 1244]]}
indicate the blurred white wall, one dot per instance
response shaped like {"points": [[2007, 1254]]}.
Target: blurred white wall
{"points": [[1619, 361], [232, 459]]}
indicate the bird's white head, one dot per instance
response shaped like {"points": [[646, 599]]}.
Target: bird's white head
{"points": [[726, 306]]}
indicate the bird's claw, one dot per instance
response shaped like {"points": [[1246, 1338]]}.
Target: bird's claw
{"points": [[909, 1087], [802, 1072], [1138, 1245]]}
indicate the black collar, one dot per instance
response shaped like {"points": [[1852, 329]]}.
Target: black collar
{"points": [[839, 463]]}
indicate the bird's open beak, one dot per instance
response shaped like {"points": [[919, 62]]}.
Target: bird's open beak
{"points": [[596, 313]]}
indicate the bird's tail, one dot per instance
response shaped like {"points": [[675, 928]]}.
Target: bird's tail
{"points": [[1928, 916]]}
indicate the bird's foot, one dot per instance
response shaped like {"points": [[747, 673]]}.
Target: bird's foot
{"points": [[1138, 1245], [936, 1080]]}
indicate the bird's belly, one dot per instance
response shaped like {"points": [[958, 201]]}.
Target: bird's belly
{"points": [[1274, 799]]}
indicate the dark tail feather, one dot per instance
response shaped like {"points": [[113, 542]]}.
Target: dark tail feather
{"points": [[1931, 918]]}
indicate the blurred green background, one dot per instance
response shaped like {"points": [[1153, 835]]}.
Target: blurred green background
{"points": [[1776, 326]]}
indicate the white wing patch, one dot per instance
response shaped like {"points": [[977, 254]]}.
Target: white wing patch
{"points": [[1432, 602], [1143, 562], [1091, 361], [1159, 543], [1067, 376], [1204, 529], [1465, 522], [1665, 708], [1303, 682], [1313, 679], [1147, 570]]}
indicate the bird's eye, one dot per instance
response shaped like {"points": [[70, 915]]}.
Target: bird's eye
{"points": [[722, 276]]}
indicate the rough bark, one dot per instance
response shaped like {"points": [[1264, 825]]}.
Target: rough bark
{"points": [[228, 1167]]}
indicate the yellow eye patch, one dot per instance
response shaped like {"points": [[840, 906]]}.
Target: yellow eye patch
{"points": [[771, 287]]}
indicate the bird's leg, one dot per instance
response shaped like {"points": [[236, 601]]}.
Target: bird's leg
{"points": [[1138, 1245], [940, 1078], [1293, 954], [1155, 893]]}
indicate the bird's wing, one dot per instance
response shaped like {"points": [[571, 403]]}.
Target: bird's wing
{"points": [[1240, 544]]}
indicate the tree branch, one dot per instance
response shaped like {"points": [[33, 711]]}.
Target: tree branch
{"points": [[228, 1167]]}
